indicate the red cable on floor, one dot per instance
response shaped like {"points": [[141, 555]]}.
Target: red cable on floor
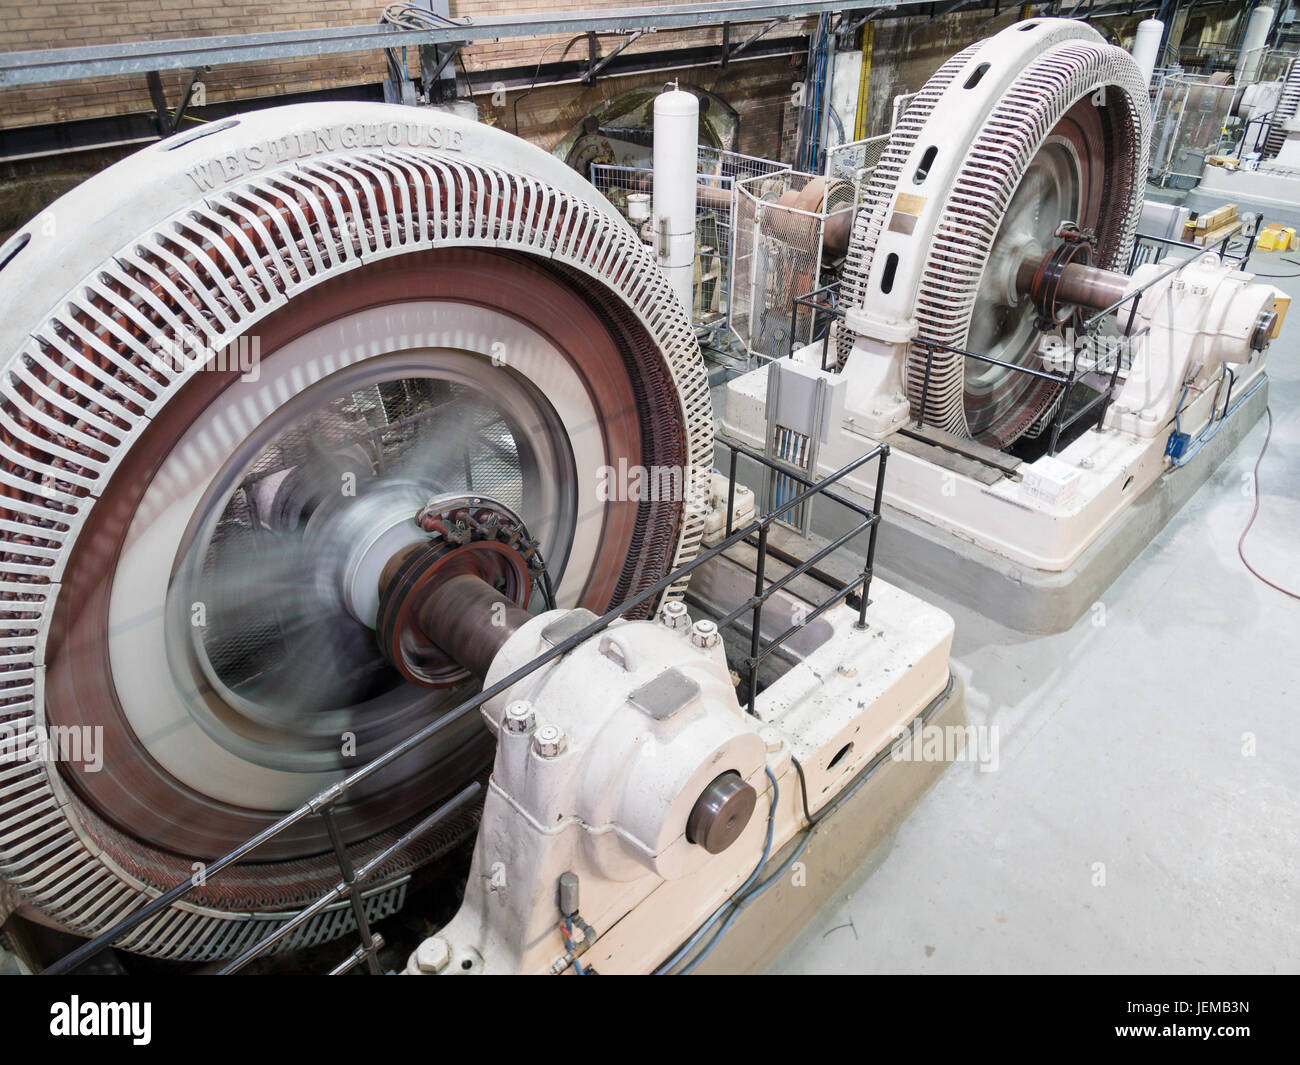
{"points": [[1268, 435]]}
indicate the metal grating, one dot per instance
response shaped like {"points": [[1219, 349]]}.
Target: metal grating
{"points": [[778, 258]]}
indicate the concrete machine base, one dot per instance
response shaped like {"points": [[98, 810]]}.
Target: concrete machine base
{"points": [[1271, 192], [920, 557], [1036, 601], [886, 792]]}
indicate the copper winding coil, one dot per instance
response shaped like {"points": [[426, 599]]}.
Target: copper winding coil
{"points": [[88, 413], [1083, 99]]}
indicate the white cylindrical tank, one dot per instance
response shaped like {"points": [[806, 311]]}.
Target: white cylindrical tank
{"points": [[1252, 45], [677, 117], [1146, 45]]}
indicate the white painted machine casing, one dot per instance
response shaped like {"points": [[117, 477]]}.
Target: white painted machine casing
{"points": [[64, 255], [1192, 324], [612, 807]]}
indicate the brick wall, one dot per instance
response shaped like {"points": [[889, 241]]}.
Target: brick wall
{"points": [[908, 50], [905, 53], [33, 26], [757, 90], [30, 26]]}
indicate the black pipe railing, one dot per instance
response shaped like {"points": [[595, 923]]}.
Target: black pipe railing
{"points": [[824, 300], [1264, 124], [1145, 246], [1066, 380], [351, 887], [1064, 419], [763, 590]]}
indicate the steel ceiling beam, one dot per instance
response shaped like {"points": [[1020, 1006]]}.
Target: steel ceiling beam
{"points": [[102, 61]]}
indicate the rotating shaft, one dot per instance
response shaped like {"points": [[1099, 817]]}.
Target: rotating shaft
{"points": [[470, 621], [1079, 284], [449, 603]]}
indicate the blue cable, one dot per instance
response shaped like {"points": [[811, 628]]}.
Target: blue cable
{"points": [[689, 945], [740, 905], [568, 939], [740, 900], [1178, 411], [1212, 430]]}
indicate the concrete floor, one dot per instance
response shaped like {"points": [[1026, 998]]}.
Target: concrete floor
{"points": [[1144, 815]]}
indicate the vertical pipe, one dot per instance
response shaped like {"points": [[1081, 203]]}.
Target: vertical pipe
{"points": [[731, 490], [676, 147], [807, 111], [1146, 46], [794, 326], [755, 320], [828, 84], [1252, 45], [760, 564]]}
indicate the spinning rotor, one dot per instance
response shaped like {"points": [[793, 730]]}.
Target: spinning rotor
{"points": [[251, 576]]}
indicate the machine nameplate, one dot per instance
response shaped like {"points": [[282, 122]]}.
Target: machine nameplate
{"points": [[252, 158], [570, 625]]}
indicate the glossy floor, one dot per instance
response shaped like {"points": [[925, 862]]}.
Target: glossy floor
{"points": [[1144, 812]]}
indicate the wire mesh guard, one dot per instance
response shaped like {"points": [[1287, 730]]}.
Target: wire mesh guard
{"points": [[1181, 142], [1193, 115], [1190, 115], [781, 223], [631, 190], [852, 165], [720, 162]]}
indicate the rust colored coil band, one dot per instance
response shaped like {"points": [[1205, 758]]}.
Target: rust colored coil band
{"points": [[86, 415], [1083, 99]]}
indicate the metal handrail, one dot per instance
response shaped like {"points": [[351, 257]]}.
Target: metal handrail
{"points": [[1220, 249], [353, 879], [809, 302]]}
